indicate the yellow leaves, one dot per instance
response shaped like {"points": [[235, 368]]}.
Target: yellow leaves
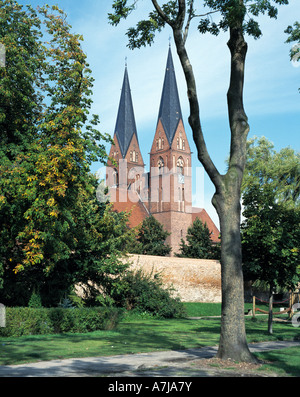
{"points": [[54, 213], [51, 202], [2, 199], [32, 178], [18, 268]]}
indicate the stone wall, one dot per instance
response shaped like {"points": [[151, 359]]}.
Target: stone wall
{"points": [[194, 280]]}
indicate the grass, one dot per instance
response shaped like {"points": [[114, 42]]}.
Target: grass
{"points": [[283, 362], [137, 334]]}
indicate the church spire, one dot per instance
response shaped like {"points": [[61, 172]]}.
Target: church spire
{"points": [[125, 126], [170, 110]]}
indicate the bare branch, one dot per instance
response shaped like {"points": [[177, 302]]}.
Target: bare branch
{"points": [[190, 17]]}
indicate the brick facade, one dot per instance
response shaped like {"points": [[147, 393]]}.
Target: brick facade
{"points": [[166, 191]]}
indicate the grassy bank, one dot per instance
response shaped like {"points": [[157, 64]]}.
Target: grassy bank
{"points": [[134, 335]]}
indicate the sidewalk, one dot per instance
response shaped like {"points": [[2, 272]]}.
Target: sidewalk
{"points": [[169, 363]]}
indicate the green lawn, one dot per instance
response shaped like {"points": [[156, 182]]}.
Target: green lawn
{"points": [[135, 335]]}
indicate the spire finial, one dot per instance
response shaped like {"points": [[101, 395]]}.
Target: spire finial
{"points": [[170, 38], [125, 62]]}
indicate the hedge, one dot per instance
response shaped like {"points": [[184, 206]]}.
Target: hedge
{"points": [[30, 321]]}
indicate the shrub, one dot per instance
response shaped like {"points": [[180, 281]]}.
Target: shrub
{"points": [[29, 321], [146, 293]]}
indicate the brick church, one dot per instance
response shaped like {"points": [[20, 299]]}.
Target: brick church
{"points": [[166, 190]]}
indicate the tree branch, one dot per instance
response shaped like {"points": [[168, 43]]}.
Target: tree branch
{"points": [[162, 14]]}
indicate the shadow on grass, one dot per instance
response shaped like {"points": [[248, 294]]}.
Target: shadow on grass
{"points": [[128, 338]]}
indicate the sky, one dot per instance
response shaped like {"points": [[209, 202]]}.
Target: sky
{"points": [[271, 96]]}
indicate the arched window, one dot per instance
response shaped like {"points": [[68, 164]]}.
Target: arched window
{"points": [[180, 165], [115, 178], [160, 165]]}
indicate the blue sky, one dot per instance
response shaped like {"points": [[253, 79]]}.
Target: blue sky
{"points": [[272, 100]]}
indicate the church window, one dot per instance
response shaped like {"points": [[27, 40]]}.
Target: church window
{"points": [[180, 164], [115, 178], [160, 165], [183, 144], [177, 143], [159, 143], [131, 156]]}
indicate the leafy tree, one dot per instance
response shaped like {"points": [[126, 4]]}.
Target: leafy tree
{"points": [[199, 244], [53, 231], [270, 231], [151, 238], [238, 18]]}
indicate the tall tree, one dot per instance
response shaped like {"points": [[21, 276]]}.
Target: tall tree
{"points": [[198, 243], [270, 231], [53, 233], [237, 17], [151, 238]]}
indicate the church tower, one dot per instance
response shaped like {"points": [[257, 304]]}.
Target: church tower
{"points": [[170, 200], [128, 166]]}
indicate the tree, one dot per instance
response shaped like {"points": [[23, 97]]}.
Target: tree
{"points": [[270, 231], [199, 244], [238, 18], [151, 238], [53, 232]]}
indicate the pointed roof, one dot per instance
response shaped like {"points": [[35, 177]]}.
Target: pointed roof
{"points": [[170, 110], [125, 125]]}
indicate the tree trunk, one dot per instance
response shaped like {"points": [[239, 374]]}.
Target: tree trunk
{"points": [[226, 200], [270, 319], [233, 344]]}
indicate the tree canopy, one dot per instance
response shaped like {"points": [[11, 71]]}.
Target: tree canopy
{"points": [[270, 231], [198, 243], [53, 231]]}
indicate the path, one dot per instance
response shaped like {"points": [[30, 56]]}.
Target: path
{"points": [[166, 364]]}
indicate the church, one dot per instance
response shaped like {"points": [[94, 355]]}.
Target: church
{"points": [[166, 190]]}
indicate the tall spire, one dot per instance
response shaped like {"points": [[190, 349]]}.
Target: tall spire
{"points": [[125, 125], [170, 110]]}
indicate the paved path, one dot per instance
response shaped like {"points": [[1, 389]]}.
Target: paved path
{"points": [[167, 364]]}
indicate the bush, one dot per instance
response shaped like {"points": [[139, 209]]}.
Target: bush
{"points": [[146, 293], [29, 321]]}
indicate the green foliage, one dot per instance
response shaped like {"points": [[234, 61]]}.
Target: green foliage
{"points": [[294, 36], [270, 232], [146, 293], [53, 233], [151, 239], [30, 321], [229, 14], [199, 244], [35, 301]]}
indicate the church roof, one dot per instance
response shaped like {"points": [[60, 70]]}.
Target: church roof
{"points": [[170, 110], [125, 125]]}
